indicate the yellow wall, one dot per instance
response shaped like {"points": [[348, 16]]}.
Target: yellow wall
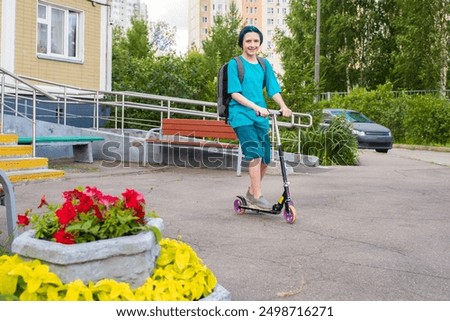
{"points": [[1, 16], [85, 74]]}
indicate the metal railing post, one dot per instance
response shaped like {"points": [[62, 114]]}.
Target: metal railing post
{"points": [[168, 109], [96, 113], [115, 112], [2, 109], [65, 107], [16, 109], [33, 125], [123, 114]]}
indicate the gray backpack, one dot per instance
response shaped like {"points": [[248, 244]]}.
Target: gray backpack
{"points": [[223, 97]]}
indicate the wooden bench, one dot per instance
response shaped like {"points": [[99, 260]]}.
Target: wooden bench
{"points": [[82, 145], [195, 133]]}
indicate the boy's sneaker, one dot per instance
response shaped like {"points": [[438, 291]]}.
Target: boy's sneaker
{"points": [[249, 196], [261, 203]]}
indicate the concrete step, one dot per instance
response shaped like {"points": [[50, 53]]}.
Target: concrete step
{"points": [[10, 151], [8, 139], [23, 163], [34, 175]]}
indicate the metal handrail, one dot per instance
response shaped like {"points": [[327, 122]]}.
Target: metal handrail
{"points": [[121, 100]]}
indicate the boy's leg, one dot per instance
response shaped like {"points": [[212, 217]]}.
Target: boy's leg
{"points": [[255, 173]]}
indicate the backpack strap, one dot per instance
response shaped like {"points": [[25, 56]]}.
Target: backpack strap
{"points": [[262, 62], [240, 66]]}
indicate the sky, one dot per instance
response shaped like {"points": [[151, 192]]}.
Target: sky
{"points": [[175, 13]]}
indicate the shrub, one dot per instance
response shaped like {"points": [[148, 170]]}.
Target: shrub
{"points": [[334, 145], [412, 119]]}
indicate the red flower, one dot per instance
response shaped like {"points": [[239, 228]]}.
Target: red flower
{"points": [[108, 200], [89, 215], [85, 204], [134, 200], [98, 213], [66, 213], [43, 202], [23, 220], [71, 195], [63, 237], [93, 192]]}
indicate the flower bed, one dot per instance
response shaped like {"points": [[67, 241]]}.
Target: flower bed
{"points": [[67, 237], [129, 259], [179, 275], [87, 214]]}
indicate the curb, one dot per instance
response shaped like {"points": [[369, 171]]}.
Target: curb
{"points": [[423, 147]]}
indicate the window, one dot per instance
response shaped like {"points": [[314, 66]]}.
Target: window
{"points": [[58, 33]]}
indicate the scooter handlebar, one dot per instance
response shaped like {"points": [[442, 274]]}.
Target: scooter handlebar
{"points": [[275, 113]]}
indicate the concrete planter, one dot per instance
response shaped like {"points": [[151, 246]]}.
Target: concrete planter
{"points": [[219, 294], [128, 259]]}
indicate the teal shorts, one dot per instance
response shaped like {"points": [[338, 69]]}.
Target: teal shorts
{"points": [[255, 142]]}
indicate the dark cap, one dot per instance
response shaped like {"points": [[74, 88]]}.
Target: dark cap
{"points": [[247, 29]]}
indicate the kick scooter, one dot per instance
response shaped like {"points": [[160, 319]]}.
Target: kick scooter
{"points": [[285, 202]]}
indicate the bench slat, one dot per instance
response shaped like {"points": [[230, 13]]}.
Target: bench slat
{"points": [[57, 139], [193, 143], [198, 128]]}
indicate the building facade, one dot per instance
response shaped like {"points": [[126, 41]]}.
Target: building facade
{"points": [[122, 11], [62, 41], [267, 15]]}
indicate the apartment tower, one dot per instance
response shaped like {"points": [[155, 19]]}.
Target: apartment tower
{"points": [[267, 15], [122, 11]]}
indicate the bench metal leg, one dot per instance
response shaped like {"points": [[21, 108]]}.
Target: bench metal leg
{"points": [[83, 153], [239, 162]]}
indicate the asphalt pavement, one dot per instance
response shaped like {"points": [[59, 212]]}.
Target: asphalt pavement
{"points": [[377, 231]]}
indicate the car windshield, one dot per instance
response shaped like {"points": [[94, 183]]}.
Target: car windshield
{"points": [[357, 117], [352, 116]]}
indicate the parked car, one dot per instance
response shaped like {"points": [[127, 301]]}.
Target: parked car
{"points": [[369, 134]]}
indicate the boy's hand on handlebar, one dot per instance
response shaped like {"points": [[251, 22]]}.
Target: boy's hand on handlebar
{"points": [[285, 111], [263, 112]]}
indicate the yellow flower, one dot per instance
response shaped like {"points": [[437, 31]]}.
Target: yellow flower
{"points": [[179, 275], [35, 274], [111, 290], [8, 282], [78, 291]]}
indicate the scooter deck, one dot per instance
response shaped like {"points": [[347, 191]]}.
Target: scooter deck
{"points": [[247, 206]]}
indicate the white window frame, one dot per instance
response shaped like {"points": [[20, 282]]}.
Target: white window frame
{"points": [[48, 50]]}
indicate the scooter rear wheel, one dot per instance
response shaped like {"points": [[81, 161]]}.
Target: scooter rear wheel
{"points": [[290, 215], [237, 206]]}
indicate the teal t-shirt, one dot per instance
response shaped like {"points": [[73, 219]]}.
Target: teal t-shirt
{"points": [[252, 89]]}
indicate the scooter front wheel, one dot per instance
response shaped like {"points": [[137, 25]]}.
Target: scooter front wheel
{"points": [[238, 202], [290, 214]]}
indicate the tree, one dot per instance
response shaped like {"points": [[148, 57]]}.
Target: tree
{"points": [[366, 44], [297, 53], [137, 42], [222, 43], [162, 36]]}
